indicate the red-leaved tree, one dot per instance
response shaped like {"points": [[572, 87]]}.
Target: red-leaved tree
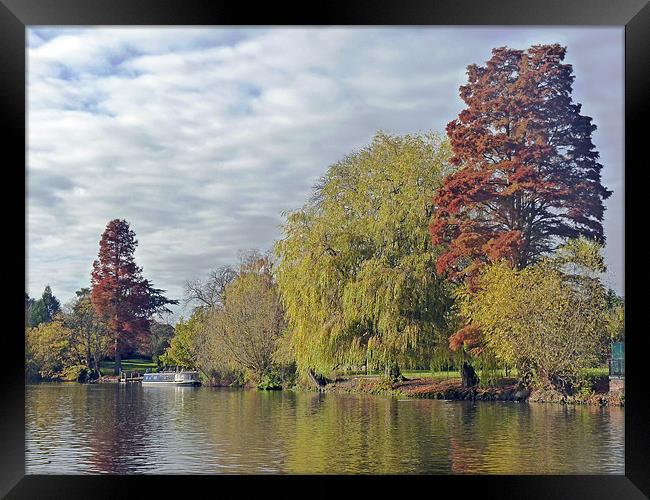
{"points": [[120, 294], [528, 174]]}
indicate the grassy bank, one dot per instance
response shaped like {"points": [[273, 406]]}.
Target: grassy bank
{"points": [[136, 364], [590, 372], [447, 385]]}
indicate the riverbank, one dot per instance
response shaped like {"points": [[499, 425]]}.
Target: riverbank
{"points": [[506, 389]]}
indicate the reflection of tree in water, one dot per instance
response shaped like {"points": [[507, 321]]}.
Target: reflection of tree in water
{"points": [[245, 429], [126, 429], [51, 413], [513, 438], [356, 434], [118, 433]]}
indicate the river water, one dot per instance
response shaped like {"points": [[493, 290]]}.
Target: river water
{"points": [[130, 429]]}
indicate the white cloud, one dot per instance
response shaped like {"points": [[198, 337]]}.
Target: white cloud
{"points": [[200, 138]]}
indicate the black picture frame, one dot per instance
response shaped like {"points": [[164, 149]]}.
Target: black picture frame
{"points": [[15, 15]]}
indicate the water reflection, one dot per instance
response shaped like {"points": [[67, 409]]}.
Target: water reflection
{"points": [[106, 428]]}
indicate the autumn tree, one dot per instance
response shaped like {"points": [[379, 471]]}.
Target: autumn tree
{"points": [[528, 175], [356, 270], [233, 332], [120, 294]]}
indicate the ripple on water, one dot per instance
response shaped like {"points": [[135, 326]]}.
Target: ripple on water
{"points": [[110, 428]]}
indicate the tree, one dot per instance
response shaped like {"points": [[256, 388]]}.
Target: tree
{"points": [[249, 325], [90, 335], [209, 293], [356, 270], [161, 335], [121, 296], [183, 347], [548, 319], [528, 176], [47, 348], [29, 303], [616, 316], [45, 308]]}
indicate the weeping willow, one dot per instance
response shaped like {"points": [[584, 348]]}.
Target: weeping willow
{"points": [[356, 265]]}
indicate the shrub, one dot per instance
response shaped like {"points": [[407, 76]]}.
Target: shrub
{"points": [[75, 373], [545, 320]]}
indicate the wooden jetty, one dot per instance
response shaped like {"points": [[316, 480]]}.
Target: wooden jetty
{"points": [[126, 377]]}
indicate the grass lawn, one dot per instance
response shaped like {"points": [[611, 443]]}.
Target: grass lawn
{"points": [[141, 365], [429, 373], [412, 374]]}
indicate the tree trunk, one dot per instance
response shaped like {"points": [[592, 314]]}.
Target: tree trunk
{"points": [[468, 376], [88, 355], [318, 380], [118, 358], [392, 372]]}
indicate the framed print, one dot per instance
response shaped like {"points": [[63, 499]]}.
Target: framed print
{"points": [[368, 243]]}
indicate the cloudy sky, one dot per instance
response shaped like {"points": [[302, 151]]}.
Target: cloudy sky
{"points": [[201, 138]]}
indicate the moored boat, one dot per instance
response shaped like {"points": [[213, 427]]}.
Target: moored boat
{"points": [[178, 377]]}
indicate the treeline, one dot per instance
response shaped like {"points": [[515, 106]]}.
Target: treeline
{"points": [[70, 342], [111, 318]]}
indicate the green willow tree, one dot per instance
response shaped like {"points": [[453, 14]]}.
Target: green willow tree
{"points": [[356, 266]]}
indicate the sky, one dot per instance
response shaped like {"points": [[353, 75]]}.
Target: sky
{"points": [[202, 137]]}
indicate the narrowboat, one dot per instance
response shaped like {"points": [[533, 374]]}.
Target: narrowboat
{"points": [[178, 377]]}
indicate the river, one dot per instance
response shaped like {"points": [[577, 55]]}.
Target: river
{"points": [[129, 429]]}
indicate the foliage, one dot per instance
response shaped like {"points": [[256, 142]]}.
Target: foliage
{"points": [[547, 319], [161, 335], [356, 271], [616, 317], [44, 309], [246, 330], [29, 303], [182, 350], [271, 380], [121, 296], [237, 329], [90, 338], [77, 373], [529, 175], [47, 349]]}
